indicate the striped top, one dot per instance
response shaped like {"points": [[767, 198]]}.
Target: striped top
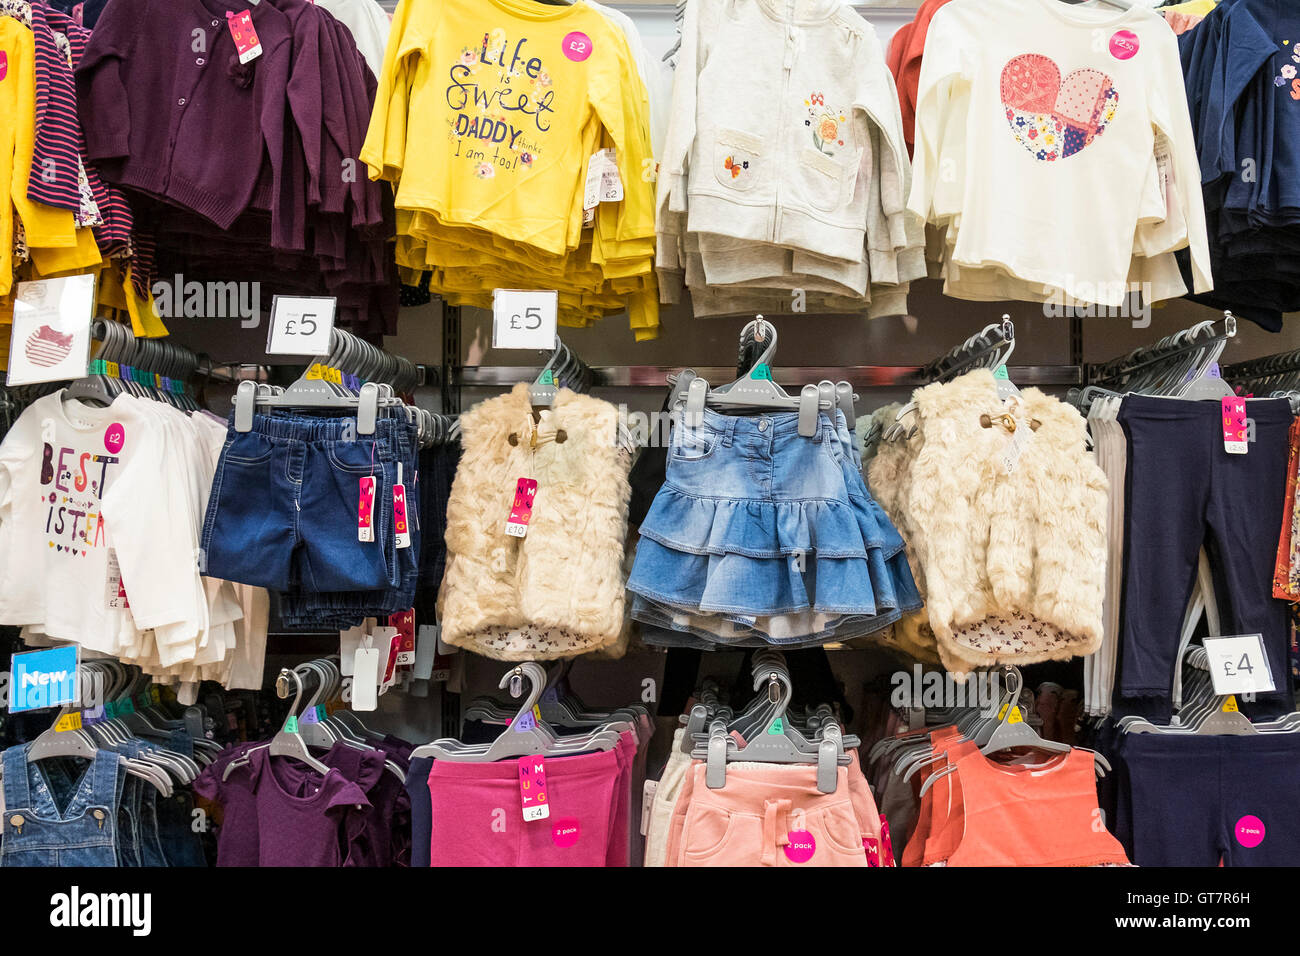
{"points": [[58, 166]]}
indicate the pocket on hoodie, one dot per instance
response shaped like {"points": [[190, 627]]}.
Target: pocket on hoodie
{"points": [[736, 160], [827, 182]]}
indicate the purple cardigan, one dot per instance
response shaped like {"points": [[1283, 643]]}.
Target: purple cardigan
{"points": [[168, 110]]}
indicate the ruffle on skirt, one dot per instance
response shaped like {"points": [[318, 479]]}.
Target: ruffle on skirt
{"points": [[770, 529], [738, 584]]}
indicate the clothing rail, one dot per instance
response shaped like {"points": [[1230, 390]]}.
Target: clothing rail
{"points": [[1167, 349], [860, 376], [1244, 373], [971, 353]]}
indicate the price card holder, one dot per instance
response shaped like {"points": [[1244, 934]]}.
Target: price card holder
{"points": [[524, 320], [1238, 664], [301, 325]]}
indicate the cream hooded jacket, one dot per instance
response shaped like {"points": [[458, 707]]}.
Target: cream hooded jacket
{"points": [[558, 591], [806, 155]]}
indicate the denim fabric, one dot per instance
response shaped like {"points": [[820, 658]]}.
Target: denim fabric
{"points": [[767, 534], [181, 846], [38, 833], [308, 609], [142, 799], [283, 508]]}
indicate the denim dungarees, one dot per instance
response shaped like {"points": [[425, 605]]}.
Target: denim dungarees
{"points": [[37, 834]]}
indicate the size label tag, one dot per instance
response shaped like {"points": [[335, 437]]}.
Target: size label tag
{"points": [[591, 186], [426, 650], [400, 526], [524, 320], [310, 716], [1238, 664], [777, 727], [114, 590], [611, 181], [1234, 426], [1014, 717], [1015, 447], [365, 679], [301, 325], [69, 721], [521, 510], [648, 791], [366, 509], [532, 788], [247, 45], [291, 725]]}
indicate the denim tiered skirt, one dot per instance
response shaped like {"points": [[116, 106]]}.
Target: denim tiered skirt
{"points": [[762, 536]]}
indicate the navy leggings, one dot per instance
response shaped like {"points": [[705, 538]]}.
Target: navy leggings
{"points": [[1184, 490]]}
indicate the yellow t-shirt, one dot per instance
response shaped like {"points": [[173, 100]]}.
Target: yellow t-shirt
{"points": [[488, 111]]}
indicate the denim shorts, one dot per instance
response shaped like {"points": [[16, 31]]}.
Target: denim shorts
{"points": [[756, 521], [283, 507]]}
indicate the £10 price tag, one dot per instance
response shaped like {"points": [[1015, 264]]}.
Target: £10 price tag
{"points": [[1238, 664], [524, 320], [521, 510], [301, 325]]}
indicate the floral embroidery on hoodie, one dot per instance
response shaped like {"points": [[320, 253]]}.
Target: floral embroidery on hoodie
{"points": [[826, 123]]}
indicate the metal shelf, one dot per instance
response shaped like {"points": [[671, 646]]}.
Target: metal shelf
{"points": [[859, 376]]}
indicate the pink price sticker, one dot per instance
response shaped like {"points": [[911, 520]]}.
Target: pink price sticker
{"points": [[114, 437], [521, 510], [1249, 831], [401, 529], [242, 31], [4, 64], [577, 46], [1234, 426], [565, 832], [801, 847], [1124, 44], [532, 788], [366, 509]]}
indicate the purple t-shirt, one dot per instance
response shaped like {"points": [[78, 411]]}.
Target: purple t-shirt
{"points": [[279, 813], [300, 817]]}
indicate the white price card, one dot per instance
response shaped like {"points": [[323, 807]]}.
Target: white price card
{"points": [[301, 325], [524, 320], [50, 337], [1238, 664]]}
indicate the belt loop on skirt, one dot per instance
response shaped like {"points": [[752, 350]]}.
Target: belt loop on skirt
{"points": [[729, 431], [776, 828]]}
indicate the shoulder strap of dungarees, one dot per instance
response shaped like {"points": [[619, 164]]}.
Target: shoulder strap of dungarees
{"points": [[17, 792], [108, 767]]}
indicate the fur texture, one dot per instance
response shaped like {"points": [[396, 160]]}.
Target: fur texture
{"points": [[558, 591], [1012, 566]]}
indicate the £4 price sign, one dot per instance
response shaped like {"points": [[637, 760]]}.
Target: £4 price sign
{"points": [[1238, 664], [524, 320], [301, 325]]}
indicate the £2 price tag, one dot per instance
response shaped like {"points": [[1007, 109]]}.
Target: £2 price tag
{"points": [[247, 45], [1234, 426]]}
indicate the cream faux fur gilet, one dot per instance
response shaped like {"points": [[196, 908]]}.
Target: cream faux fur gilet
{"points": [[1012, 565], [558, 591]]}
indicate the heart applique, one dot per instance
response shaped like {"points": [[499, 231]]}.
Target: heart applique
{"points": [[1053, 117]]}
